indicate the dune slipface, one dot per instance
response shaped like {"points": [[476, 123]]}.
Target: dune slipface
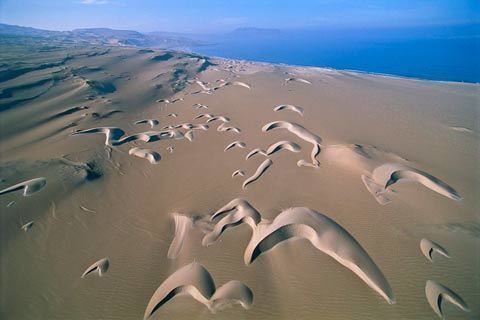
{"points": [[438, 293], [327, 236], [300, 132], [101, 267], [297, 80], [254, 152], [238, 173], [260, 170], [150, 122], [290, 107], [234, 213], [27, 226], [194, 280], [29, 187], [233, 83], [152, 156], [428, 247], [390, 173], [235, 144], [283, 145]]}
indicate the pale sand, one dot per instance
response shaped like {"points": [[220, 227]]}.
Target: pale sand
{"points": [[381, 172]]}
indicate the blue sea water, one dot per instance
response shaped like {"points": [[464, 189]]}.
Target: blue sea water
{"points": [[436, 54]]}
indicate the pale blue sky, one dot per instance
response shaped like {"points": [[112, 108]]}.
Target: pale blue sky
{"points": [[219, 16]]}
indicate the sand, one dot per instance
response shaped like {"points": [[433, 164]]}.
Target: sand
{"points": [[325, 195]]}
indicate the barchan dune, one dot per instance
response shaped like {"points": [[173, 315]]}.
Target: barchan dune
{"points": [[29, 187], [428, 248], [194, 280], [100, 267], [437, 294]]}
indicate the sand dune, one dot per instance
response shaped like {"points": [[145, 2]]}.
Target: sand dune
{"points": [[438, 293], [297, 80], [194, 280], [300, 132], [29, 187], [238, 173], [235, 144], [327, 236], [390, 173], [254, 152], [150, 122], [182, 225], [174, 115], [236, 212], [219, 118], [428, 247], [290, 107], [233, 83], [200, 106], [100, 267], [258, 173], [223, 128], [152, 156], [283, 145], [27, 226]]}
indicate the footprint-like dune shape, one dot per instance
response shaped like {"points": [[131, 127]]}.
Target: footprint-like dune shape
{"points": [[238, 173], [100, 267], [300, 132], [428, 247], [234, 213], [438, 293], [182, 225], [297, 80], [388, 174], [194, 280], [290, 107], [235, 144], [152, 156], [254, 152], [327, 236], [219, 118], [258, 173], [283, 145], [150, 122], [29, 187]]}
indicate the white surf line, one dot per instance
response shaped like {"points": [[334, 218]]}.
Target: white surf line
{"points": [[258, 173], [100, 267], [195, 281], [235, 144], [290, 107], [29, 187]]}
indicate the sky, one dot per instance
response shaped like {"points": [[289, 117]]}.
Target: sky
{"points": [[213, 16]]}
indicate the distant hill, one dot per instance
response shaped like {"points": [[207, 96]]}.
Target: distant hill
{"points": [[105, 36]]}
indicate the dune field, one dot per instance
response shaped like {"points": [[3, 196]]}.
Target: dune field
{"points": [[153, 184]]}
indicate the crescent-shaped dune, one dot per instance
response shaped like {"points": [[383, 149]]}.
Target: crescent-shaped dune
{"points": [[300, 132], [238, 173], [233, 291], [327, 236], [390, 173], [182, 225], [234, 213], [258, 173], [283, 145], [112, 134], [194, 280], [428, 247], [101, 267], [219, 118], [235, 144], [233, 83], [438, 293], [223, 128], [29, 187], [150, 122], [378, 192], [290, 107], [200, 106], [27, 226], [152, 156], [254, 152], [297, 80], [204, 115], [172, 115]]}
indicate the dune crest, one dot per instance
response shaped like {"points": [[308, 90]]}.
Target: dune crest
{"points": [[150, 122], [238, 173], [428, 247], [254, 152], [283, 145], [258, 173], [29, 187], [297, 80], [182, 225], [27, 226], [200, 106], [152, 156], [100, 267], [290, 107], [194, 280], [438, 293]]}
